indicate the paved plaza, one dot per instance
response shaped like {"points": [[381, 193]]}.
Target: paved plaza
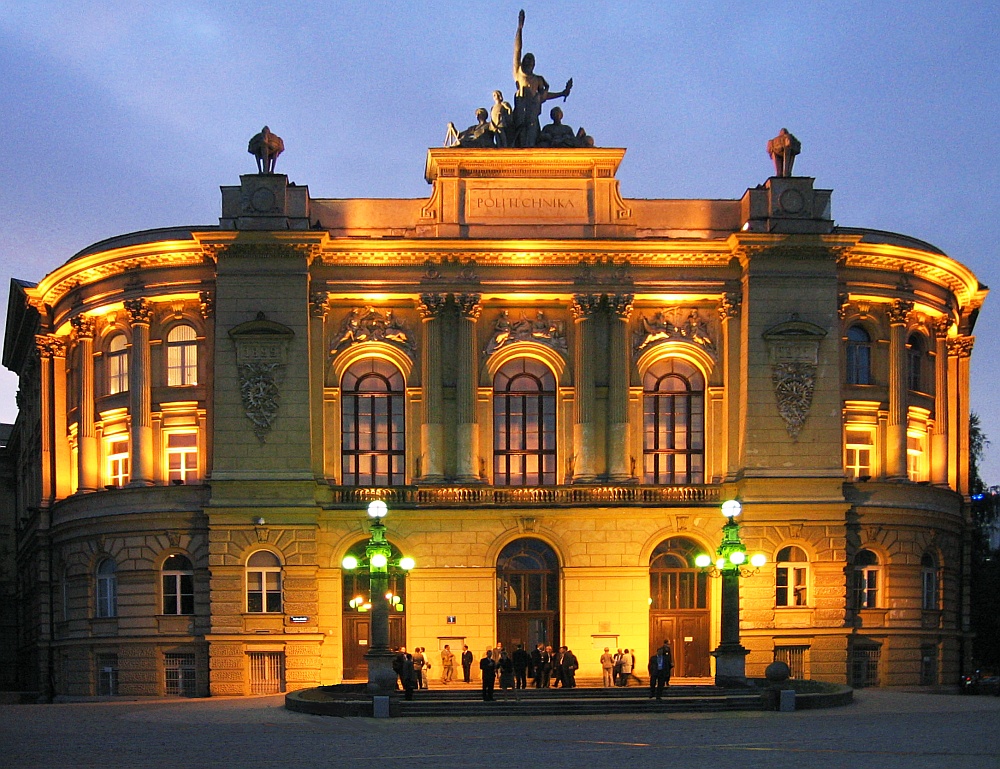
{"points": [[885, 729]]}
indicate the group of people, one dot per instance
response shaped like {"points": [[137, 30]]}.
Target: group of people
{"points": [[619, 667], [546, 667]]}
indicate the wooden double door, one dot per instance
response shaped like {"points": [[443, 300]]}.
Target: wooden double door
{"points": [[357, 636], [687, 632], [528, 628]]}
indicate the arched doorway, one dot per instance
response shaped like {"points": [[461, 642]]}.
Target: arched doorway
{"points": [[527, 594], [678, 610], [357, 624]]}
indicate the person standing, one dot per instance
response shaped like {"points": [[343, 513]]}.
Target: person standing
{"points": [[521, 662], [536, 665], [569, 667], [608, 667], [555, 666], [447, 665], [618, 667], [505, 669], [418, 667], [626, 668], [659, 672], [466, 664], [488, 668]]}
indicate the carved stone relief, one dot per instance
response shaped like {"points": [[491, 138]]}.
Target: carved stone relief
{"points": [[541, 330], [261, 357], [674, 323], [368, 324], [793, 350]]}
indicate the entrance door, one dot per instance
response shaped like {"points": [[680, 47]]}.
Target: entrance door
{"points": [[527, 595], [357, 627], [679, 606]]}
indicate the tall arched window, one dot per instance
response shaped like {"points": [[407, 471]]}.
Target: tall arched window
{"points": [[929, 583], [372, 424], [673, 445], [866, 580], [107, 588], [263, 582], [182, 356], [859, 356], [674, 581], [524, 424], [914, 362], [791, 577], [117, 364], [178, 585]]}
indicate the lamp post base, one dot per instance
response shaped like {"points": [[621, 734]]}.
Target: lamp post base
{"points": [[730, 665], [381, 676]]}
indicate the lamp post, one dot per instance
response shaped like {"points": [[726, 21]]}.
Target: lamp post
{"points": [[378, 560], [731, 564]]}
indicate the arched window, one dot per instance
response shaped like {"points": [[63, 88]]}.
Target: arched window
{"points": [[528, 577], [673, 446], [791, 577], [859, 356], [372, 424], [178, 585], [674, 580], [914, 362], [866, 580], [107, 588], [929, 583], [117, 365], [182, 356], [524, 424], [263, 582], [356, 583]]}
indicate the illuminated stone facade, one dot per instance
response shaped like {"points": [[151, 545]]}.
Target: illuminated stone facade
{"points": [[553, 387]]}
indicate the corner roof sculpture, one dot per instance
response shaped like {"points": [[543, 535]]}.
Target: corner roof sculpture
{"points": [[265, 147]]}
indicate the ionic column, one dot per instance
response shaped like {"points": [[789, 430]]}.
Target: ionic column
{"points": [[618, 363], [584, 307], [87, 457], [140, 394], [46, 346], [939, 442], [432, 403], [60, 422], [960, 350], [895, 442], [729, 311], [467, 387]]}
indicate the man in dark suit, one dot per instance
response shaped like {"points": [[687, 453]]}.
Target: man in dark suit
{"points": [[660, 665], [467, 664], [569, 666], [521, 662], [489, 671]]}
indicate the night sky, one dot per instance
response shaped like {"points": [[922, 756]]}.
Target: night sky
{"points": [[123, 116]]}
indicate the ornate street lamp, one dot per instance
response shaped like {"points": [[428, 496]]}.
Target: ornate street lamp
{"points": [[731, 563], [379, 562]]}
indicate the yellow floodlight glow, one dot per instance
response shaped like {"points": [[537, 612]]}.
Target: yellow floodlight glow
{"points": [[349, 562], [703, 561], [407, 563], [757, 560]]}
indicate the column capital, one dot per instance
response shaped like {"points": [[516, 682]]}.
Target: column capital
{"points": [[585, 305], [961, 346], [83, 327], [469, 305], [730, 305], [843, 305], [941, 326], [318, 305], [49, 346], [621, 305], [139, 311], [431, 305], [899, 311]]}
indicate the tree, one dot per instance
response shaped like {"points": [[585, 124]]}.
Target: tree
{"points": [[985, 571]]}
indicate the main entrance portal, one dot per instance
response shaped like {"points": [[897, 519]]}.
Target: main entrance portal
{"points": [[527, 595], [678, 610]]}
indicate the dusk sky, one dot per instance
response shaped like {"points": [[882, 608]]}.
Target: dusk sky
{"points": [[123, 116]]}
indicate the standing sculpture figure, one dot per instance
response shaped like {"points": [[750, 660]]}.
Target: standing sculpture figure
{"points": [[266, 147], [532, 92], [783, 148]]}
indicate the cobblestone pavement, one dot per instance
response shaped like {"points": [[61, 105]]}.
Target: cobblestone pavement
{"points": [[886, 729]]}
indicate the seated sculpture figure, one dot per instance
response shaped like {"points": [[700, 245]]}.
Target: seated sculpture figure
{"points": [[555, 134], [479, 135]]}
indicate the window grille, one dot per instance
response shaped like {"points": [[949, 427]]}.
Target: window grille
{"points": [[794, 657], [864, 664], [179, 673], [267, 672], [107, 675], [928, 665]]}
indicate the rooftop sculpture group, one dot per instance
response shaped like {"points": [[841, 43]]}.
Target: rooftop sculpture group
{"points": [[520, 127]]}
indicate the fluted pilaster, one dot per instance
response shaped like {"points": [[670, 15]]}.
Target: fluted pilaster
{"points": [[618, 370], [87, 457], [432, 404], [939, 442], [140, 393], [584, 308], [467, 385], [896, 432]]}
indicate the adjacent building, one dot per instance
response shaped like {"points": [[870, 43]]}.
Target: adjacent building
{"points": [[552, 386]]}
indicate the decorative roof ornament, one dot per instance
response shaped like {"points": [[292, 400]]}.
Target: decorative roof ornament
{"points": [[266, 147], [783, 148]]}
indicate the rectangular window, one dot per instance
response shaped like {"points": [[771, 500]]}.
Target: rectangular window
{"points": [[267, 672], [929, 592], [178, 593], [117, 463], [863, 665], [182, 457], [180, 675], [790, 586], [928, 665], [915, 463], [794, 657], [107, 675], [858, 448]]}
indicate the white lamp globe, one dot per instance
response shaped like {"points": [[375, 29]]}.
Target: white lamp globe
{"points": [[377, 509], [731, 508]]}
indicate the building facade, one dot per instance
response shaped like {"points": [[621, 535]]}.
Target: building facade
{"points": [[551, 386]]}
